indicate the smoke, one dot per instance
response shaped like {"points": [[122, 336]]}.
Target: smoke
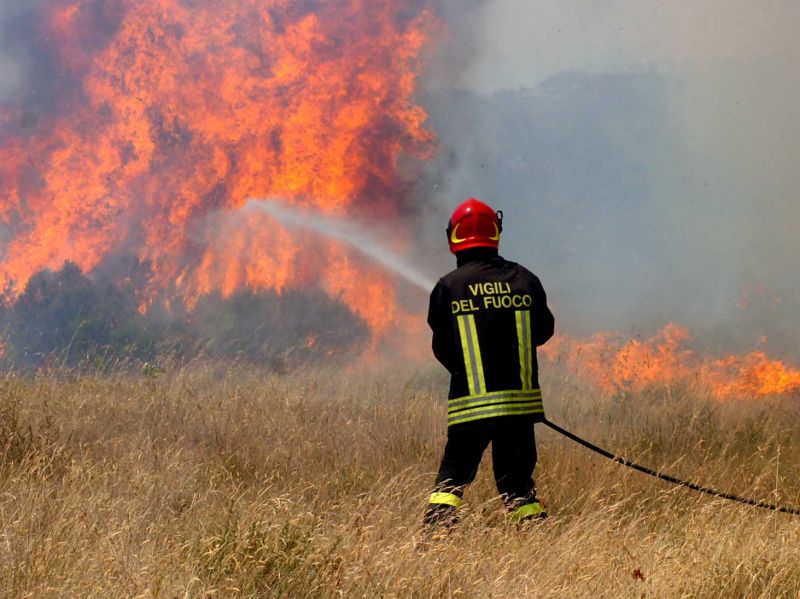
{"points": [[10, 76], [645, 153], [28, 77], [11, 67]]}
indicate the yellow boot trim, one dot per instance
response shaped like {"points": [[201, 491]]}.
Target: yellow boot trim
{"points": [[446, 499], [528, 510]]}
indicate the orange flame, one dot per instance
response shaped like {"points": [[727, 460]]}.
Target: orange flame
{"points": [[614, 364], [184, 111]]}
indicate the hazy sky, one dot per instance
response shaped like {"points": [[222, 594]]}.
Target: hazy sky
{"points": [[526, 41]]}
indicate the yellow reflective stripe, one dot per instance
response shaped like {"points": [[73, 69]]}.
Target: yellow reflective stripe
{"points": [[521, 346], [472, 354], [462, 331], [492, 397], [445, 499], [505, 404], [524, 342], [519, 409], [481, 386], [526, 511]]}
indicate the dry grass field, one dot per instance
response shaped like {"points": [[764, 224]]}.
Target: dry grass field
{"points": [[220, 481]]}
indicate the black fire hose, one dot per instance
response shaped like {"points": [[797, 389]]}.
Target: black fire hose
{"points": [[670, 479]]}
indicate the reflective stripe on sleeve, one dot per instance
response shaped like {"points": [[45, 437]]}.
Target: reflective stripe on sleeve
{"points": [[472, 354], [445, 499]]}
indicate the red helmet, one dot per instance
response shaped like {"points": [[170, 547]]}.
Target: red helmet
{"points": [[474, 224]]}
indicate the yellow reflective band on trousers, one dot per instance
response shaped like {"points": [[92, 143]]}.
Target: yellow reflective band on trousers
{"points": [[445, 499], [525, 350], [472, 354], [493, 404], [529, 510]]}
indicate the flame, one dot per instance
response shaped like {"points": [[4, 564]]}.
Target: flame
{"points": [[185, 110], [753, 374], [613, 364]]}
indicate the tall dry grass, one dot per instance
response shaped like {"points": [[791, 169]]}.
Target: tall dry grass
{"points": [[209, 481]]}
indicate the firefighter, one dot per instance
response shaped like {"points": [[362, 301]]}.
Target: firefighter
{"points": [[488, 316]]}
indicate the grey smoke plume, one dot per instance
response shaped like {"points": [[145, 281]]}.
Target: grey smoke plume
{"points": [[11, 68], [27, 76], [644, 153]]}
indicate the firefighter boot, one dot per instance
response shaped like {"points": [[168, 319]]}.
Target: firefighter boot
{"points": [[442, 510], [530, 511]]}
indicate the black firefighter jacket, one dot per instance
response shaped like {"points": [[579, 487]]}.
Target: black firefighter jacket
{"points": [[488, 316]]}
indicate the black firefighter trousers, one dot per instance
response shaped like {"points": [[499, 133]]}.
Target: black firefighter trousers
{"points": [[513, 461]]}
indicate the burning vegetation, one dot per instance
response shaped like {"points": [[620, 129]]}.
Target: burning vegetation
{"points": [[163, 116], [616, 364], [66, 319]]}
